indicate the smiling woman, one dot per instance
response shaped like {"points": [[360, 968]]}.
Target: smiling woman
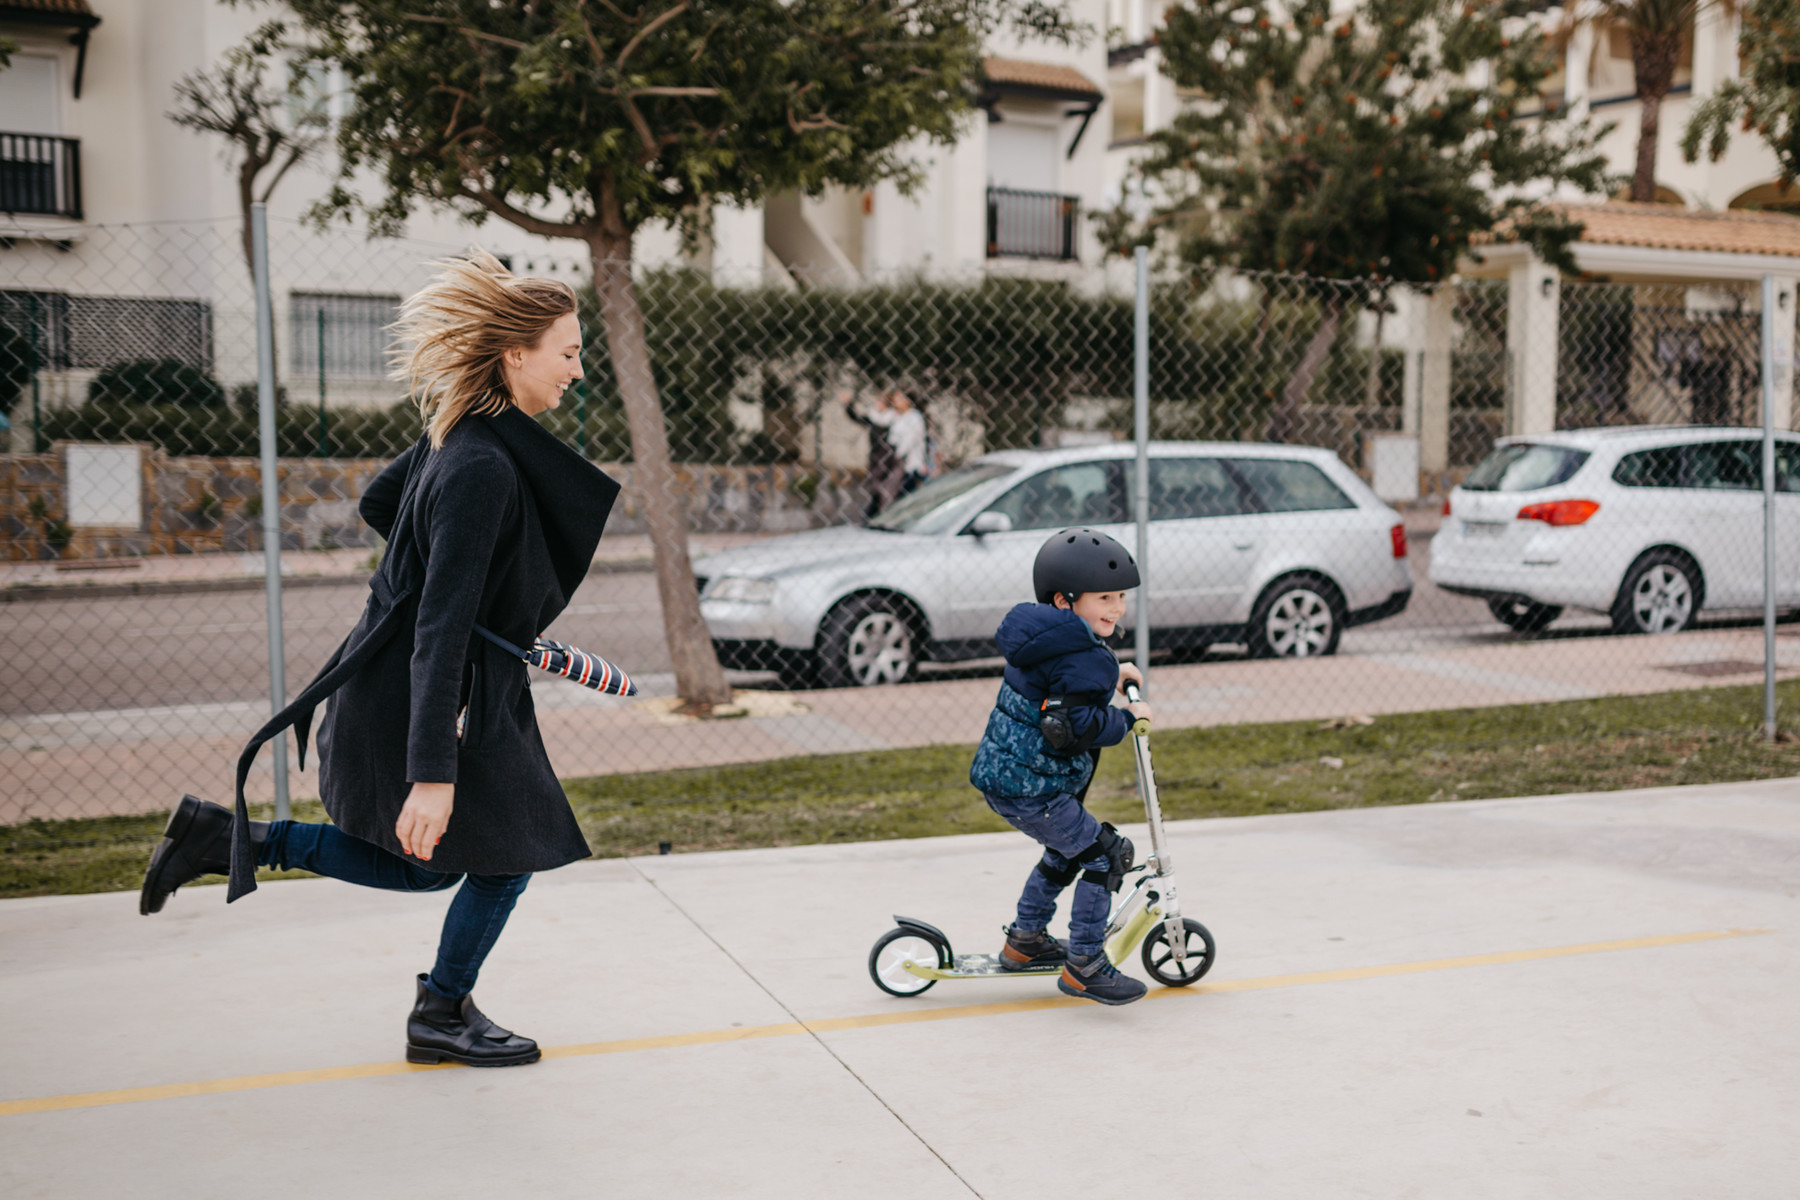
{"points": [[431, 764]]}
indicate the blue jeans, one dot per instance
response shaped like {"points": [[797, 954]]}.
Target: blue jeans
{"points": [[1064, 829], [471, 927]]}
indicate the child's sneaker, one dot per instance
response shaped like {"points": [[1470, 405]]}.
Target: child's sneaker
{"points": [[1026, 950], [1096, 979]]}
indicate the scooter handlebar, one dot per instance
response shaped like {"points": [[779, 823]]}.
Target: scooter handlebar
{"points": [[1141, 726]]}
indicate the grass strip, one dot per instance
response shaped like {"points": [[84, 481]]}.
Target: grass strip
{"points": [[1708, 735]]}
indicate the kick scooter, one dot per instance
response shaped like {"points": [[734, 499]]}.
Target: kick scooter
{"points": [[1177, 950]]}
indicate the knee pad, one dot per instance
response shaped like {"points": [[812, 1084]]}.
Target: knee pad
{"points": [[1060, 876], [1119, 852]]}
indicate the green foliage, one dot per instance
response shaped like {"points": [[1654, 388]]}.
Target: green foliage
{"points": [[1352, 144], [1765, 98], [225, 432], [611, 116], [15, 365], [166, 382]]}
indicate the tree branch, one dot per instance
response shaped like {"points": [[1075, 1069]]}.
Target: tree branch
{"points": [[524, 220], [657, 23]]}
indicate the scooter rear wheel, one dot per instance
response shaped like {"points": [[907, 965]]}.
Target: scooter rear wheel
{"points": [[1159, 958], [893, 950]]}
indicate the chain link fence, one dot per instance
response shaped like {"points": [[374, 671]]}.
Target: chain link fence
{"points": [[868, 471]]}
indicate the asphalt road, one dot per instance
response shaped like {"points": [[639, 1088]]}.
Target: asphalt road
{"points": [[83, 655]]}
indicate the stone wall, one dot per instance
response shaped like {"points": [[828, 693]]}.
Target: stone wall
{"points": [[212, 505]]}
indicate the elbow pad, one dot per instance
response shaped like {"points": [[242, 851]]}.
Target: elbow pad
{"points": [[1058, 727]]}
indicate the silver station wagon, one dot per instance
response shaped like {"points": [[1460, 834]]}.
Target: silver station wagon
{"points": [[1280, 548]]}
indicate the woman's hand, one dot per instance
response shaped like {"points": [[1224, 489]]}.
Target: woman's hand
{"points": [[424, 817], [1139, 711], [1128, 673]]}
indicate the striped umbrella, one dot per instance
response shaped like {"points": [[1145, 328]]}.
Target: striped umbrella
{"points": [[571, 662]]}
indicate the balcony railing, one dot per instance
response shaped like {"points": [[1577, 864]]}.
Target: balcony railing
{"points": [[40, 175], [1025, 224]]}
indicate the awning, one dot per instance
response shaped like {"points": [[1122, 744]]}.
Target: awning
{"points": [[1034, 80]]}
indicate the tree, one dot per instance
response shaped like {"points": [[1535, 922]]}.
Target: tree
{"points": [[1655, 29], [1765, 98], [579, 119], [1371, 145], [234, 101]]}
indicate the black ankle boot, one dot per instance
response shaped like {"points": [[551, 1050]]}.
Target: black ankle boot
{"points": [[1095, 978], [1024, 951], [196, 842], [441, 1028]]}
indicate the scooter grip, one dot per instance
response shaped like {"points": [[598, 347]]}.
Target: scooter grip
{"points": [[1141, 726]]}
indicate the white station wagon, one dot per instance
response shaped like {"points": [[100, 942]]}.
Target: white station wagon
{"points": [[1277, 547], [1651, 526]]}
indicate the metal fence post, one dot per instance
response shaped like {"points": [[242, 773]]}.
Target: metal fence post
{"points": [[1141, 429], [271, 491], [1768, 482], [323, 448], [37, 367]]}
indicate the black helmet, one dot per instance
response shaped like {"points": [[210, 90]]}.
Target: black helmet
{"points": [[1074, 561]]}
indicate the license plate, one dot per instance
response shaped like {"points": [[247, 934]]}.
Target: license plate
{"points": [[1483, 529]]}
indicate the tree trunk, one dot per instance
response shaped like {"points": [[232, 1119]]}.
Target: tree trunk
{"points": [[1653, 57], [1284, 422], [698, 678], [1643, 179]]}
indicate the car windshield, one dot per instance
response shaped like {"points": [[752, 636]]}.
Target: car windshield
{"points": [[932, 507], [1523, 467]]}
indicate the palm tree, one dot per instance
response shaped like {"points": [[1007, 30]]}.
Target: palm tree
{"points": [[1655, 28]]}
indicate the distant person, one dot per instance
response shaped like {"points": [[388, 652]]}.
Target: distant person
{"points": [[887, 473], [911, 441], [430, 759]]}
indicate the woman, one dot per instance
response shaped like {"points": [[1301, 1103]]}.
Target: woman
{"points": [[886, 473], [430, 760]]}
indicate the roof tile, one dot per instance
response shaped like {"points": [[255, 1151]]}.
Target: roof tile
{"points": [[1039, 76]]}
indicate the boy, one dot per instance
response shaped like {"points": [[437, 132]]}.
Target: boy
{"points": [[1043, 738]]}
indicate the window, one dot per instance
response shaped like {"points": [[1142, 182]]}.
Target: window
{"points": [[1713, 466], [931, 507], [1284, 485], [1181, 488], [354, 330], [1725, 466], [89, 332], [1659, 468], [1787, 466], [1523, 467], [1088, 493]]}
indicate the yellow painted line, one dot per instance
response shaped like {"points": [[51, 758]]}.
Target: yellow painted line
{"points": [[250, 1083]]}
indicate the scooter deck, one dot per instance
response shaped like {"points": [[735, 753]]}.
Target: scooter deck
{"points": [[980, 966]]}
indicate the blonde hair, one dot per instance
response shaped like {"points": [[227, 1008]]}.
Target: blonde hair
{"points": [[454, 332]]}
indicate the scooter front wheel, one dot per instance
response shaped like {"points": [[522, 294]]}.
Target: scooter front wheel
{"points": [[897, 947], [1159, 957]]}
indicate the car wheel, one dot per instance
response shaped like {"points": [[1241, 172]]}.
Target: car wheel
{"points": [[1526, 616], [1297, 617], [1662, 594], [867, 641]]}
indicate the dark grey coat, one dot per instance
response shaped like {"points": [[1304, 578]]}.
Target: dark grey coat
{"points": [[496, 528]]}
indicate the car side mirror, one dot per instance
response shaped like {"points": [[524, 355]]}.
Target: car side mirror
{"points": [[990, 522]]}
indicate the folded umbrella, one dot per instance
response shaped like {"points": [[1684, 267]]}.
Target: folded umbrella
{"points": [[571, 662]]}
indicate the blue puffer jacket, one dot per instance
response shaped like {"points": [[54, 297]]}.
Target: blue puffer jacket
{"points": [[1049, 652]]}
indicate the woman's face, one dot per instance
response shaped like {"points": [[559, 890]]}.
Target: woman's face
{"points": [[537, 375]]}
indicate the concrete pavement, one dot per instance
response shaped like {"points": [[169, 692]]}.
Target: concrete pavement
{"points": [[1575, 996]]}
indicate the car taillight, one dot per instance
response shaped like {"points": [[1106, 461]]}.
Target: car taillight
{"points": [[1398, 534], [1560, 512]]}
